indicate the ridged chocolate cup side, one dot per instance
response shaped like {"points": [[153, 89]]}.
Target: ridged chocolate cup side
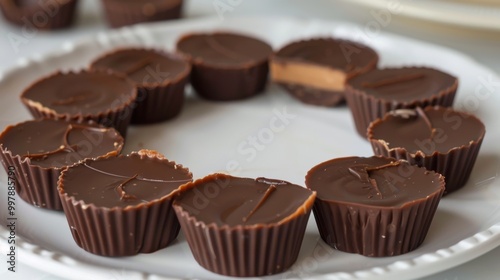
{"points": [[245, 250], [118, 118], [156, 101], [40, 15], [114, 232], [366, 108], [34, 184], [313, 96], [225, 84], [376, 231], [160, 103], [456, 165], [121, 232], [119, 13]]}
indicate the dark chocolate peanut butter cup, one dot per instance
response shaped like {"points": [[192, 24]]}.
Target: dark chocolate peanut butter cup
{"points": [[39, 149], [160, 77], [437, 138], [374, 206], [121, 206], [39, 14], [244, 227], [127, 12], [315, 71], [103, 97], [226, 66], [371, 95]]}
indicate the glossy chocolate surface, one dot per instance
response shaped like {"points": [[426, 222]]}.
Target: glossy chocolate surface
{"points": [[373, 181], [123, 181], [344, 55], [26, 3], [233, 201], [427, 130], [143, 66], [83, 93], [224, 49], [126, 12], [403, 84], [51, 143], [314, 96], [38, 3], [39, 14], [148, 3]]}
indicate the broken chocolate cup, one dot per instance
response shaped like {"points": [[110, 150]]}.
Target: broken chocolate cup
{"points": [[315, 71], [371, 95], [121, 206], [103, 97], [244, 227], [374, 206], [160, 77], [437, 138], [226, 66], [39, 150]]}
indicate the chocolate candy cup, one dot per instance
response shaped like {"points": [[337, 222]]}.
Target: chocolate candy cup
{"points": [[160, 77], [39, 15], [373, 94], [315, 70], [374, 206], [38, 157], [244, 227], [226, 66], [102, 97], [121, 206], [437, 138], [127, 12]]}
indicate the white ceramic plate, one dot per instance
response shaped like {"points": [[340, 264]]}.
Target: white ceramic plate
{"points": [[208, 136], [483, 14]]}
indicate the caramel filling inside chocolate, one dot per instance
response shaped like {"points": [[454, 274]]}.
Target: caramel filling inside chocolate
{"points": [[309, 75]]}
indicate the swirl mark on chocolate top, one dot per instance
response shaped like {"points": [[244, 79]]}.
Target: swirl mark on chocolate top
{"points": [[271, 181], [427, 121], [137, 177], [392, 81], [266, 195], [362, 172], [417, 112], [72, 99], [65, 146], [397, 181], [120, 189]]}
